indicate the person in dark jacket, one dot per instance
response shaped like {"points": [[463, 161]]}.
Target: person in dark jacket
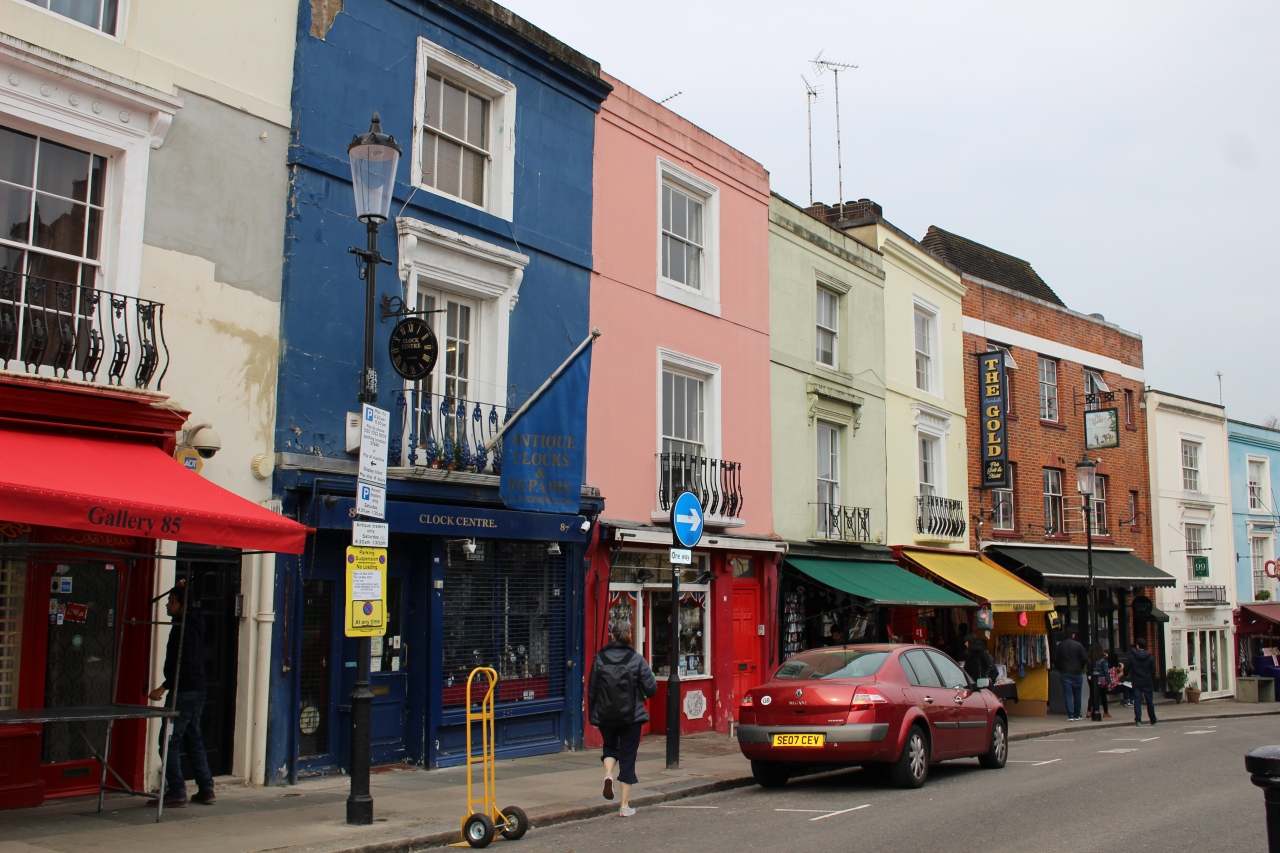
{"points": [[621, 742], [1100, 670], [188, 677], [978, 661], [1141, 671], [1072, 663]]}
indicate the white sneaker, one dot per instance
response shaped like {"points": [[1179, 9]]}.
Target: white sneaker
{"points": [[626, 811]]}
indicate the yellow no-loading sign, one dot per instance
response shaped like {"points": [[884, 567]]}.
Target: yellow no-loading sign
{"points": [[366, 592]]}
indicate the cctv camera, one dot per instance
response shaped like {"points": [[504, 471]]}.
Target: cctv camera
{"points": [[469, 546], [586, 525], [203, 440]]}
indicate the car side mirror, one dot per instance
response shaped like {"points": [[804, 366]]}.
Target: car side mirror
{"points": [[984, 683]]}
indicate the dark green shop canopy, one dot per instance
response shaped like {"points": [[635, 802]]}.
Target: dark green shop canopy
{"points": [[883, 583], [1061, 566]]}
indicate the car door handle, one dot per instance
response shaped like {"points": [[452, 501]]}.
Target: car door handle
{"points": [[929, 699]]}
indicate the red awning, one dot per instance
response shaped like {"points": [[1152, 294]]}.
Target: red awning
{"points": [[129, 488], [1258, 619]]}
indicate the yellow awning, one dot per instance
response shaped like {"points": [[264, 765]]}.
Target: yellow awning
{"points": [[984, 580]]}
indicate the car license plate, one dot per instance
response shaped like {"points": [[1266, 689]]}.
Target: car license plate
{"points": [[799, 740]]}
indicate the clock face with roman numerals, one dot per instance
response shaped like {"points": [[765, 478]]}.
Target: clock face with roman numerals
{"points": [[413, 348]]}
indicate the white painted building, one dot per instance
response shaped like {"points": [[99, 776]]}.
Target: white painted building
{"points": [[1192, 529]]}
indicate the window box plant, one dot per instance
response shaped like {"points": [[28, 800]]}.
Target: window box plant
{"points": [[1175, 679]]}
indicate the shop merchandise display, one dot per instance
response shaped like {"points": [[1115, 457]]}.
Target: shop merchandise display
{"points": [[793, 623], [1020, 651]]}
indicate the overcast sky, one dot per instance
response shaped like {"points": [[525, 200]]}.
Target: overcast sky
{"points": [[1129, 151]]}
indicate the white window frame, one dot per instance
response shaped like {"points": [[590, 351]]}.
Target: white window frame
{"points": [[933, 424], [820, 291], [1200, 548], [1259, 498], [122, 16], [932, 314], [831, 483], [1196, 470], [709, 373], [500, 179], [927, 440], [1004, 512], [1258, 558], [1098, 518], [74, 104], [1048, 391], [1049, 497], [443, 262], [706, 299]]}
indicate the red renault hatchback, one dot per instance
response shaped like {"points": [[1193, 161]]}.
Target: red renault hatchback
{"points": [[902, 707]]}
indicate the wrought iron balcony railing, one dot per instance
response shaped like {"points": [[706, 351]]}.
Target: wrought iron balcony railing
{"points": [[940, 517], [843, 523], [1204, 595], [717, 483], [448, 433], [79, 332]]}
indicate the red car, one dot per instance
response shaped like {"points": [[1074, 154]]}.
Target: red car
{"points": [[903, 707]]}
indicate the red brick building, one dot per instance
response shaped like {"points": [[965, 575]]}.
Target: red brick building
{"points": [[1059, 364]]}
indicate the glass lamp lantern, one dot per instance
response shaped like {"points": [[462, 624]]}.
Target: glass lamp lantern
{"points": [[374, 158], [1086, 476]]}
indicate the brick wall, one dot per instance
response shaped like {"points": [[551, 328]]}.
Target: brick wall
{"points": [[1035, 444]]}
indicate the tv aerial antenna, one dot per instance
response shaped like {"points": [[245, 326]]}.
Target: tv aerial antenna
{"points": [[819, 66], [811, 97]]}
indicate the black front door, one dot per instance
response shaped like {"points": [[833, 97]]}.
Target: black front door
{"points": [[215, 592]]}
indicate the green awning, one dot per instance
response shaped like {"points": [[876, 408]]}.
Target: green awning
{"points": [[883, 583], [1069, 566]]}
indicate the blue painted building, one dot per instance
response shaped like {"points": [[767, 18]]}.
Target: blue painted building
{"points": [[1254, 453], [490, 230]]}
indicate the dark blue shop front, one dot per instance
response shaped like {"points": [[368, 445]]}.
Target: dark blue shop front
{"points": [[467, 586]]}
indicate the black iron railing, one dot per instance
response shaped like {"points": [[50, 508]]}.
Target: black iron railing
{"points": [[843, 523], [941, 517], [717, 483], [1204, 594], [79, 332], [449, 433]]}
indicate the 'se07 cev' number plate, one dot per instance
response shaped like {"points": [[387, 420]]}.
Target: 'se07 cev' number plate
{"points": [[799, 740]]}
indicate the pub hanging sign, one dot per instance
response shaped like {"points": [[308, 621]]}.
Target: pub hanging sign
{"points": [[993, 397]]}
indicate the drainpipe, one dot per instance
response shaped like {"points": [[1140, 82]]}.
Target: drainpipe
{"points": [[264, 617]]}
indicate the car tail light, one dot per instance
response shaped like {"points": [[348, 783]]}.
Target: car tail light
{"points": [[865, 699], [748, 702]]}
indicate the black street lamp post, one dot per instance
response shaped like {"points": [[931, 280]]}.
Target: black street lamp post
{"points": [[1086, 485], [374, 157]]}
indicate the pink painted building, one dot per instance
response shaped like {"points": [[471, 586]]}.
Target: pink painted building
{"points": [[680, 400]]}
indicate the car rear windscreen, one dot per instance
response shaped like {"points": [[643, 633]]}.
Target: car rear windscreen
{"points": [[832, 663]]}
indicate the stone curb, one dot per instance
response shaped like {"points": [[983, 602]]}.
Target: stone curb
{"points": [[1088, 725], [543, 819]]}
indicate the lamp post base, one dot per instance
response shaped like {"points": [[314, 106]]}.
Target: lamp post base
{"points": [[359, 810]]}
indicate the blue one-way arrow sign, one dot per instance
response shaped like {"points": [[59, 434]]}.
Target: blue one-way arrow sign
{"points": [[687, 520]]}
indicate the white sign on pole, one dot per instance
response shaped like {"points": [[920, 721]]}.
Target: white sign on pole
{"points": [[681, 557], [369, 534], [371, 500], [375, 431]]}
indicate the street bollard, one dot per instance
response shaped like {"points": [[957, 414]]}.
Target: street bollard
{"points": [[1264, 765]]}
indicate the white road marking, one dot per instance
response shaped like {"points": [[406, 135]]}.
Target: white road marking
{"points": [[1127, 738], [1201, 732], [842, 811], [1050, 761], [687, 807], [811, 811], [1146, 739], [1032, 762], [1115, 751]]}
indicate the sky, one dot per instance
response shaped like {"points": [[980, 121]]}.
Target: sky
{"points": [[1129, 151]]}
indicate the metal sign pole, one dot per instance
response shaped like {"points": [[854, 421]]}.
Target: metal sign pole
{"points": [[673, 678]]}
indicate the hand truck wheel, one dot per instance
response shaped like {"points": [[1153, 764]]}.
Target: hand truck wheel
{"points": [[478, 831], [517, 823]]}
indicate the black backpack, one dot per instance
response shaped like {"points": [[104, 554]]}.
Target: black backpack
{"points": [[615, 703]]}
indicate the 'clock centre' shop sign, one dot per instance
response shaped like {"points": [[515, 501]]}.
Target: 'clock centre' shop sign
{"points": [[994, 444]]}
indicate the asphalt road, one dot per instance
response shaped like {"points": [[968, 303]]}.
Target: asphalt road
{"points": [[1177, 786]]}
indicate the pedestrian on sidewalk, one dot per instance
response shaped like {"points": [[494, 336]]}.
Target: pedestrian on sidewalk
{"points": [[617, 687], [1101, 681], [1141, 670], [978, 662], [1072, 662], [189, 702]]}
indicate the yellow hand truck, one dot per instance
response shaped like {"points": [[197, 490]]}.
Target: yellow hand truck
{"points": [[483, 818]]}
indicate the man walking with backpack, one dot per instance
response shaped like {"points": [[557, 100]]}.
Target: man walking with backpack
{"points": [[619, 683]]}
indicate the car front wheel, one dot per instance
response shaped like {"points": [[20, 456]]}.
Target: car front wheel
{"points": [[912, 767], [999, 753], [770, 774]]}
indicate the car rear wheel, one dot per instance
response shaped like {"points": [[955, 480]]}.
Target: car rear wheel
{"points": [[999, 754], [770, 774], [912, 766]]}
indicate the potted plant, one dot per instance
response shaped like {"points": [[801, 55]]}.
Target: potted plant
{"points": [[1175, 679], [1262, 595]]}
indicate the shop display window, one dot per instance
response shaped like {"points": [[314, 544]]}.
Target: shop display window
{"points": [[13, 587], [693, 638], [640, 590]]}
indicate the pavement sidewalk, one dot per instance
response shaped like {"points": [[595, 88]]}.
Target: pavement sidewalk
{"points": [[416, 809]]}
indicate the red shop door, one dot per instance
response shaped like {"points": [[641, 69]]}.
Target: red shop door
{"points": [[746, 637]]}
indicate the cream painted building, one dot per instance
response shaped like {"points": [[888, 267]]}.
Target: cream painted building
{"points": [[1194, 541], [927, 472], [166, 123], [826, 335]]}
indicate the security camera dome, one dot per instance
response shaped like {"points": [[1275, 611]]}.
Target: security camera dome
{"points": [[205, 441]]}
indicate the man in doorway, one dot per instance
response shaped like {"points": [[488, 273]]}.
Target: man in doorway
{"points": [[184, 667], [1072, 662], [837, 637]]}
